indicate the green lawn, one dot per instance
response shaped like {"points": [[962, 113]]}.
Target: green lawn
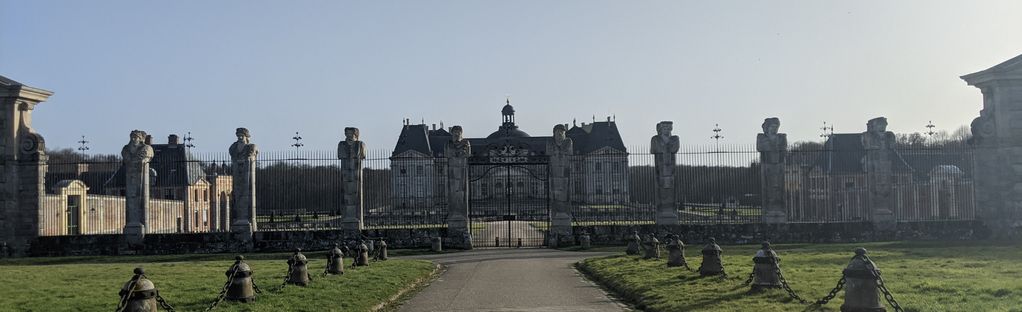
{"points": [[192, 282], [923, 276]]}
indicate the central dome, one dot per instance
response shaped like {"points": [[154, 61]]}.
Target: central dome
{"points": [[508, 133]]}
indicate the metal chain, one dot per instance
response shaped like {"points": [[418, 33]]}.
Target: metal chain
{"points": [[833, 292], [223, 291], [787, 288], [749, 281], [123, 304], [287, 276], [163, 303], [723, 274], [256, 287], [882, 286]]}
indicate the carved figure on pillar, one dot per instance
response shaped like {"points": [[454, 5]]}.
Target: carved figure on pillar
{"points": [[457, 152], [560, 149], [879, 145], [136, 155], [772, 147], [664, 148], [243, 198], [351, 152]]}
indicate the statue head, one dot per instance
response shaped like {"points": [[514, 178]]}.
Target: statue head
{"points": [[877, 125], [765, 245], [664, 128], [771, 125], [136, 137], [242, 134], [560, 133], [457, 134], [351, 134]]}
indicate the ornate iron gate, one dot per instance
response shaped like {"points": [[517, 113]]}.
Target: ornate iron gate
{"points": [[509, 201]]}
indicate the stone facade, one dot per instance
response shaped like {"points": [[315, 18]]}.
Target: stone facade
{"points": [[997, 138]]}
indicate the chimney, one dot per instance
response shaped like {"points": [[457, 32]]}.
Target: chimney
{"points": [[148, 140], [173, 139], [434, 127]]}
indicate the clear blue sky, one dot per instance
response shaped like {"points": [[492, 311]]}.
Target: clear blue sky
{"points": [[278, 67]]}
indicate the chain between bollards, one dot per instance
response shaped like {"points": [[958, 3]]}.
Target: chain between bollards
{"points": [[124, 298], [223, 292], [883, 287], [833, 292], [787, 288]]}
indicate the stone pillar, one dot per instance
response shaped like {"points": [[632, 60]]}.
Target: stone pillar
{"points": [[23, 161], [664, 148], [997, 140], [560, 149], [772, 147], [457, 152], [135, 157], [351, 152], [879, 146], [243, 185]]}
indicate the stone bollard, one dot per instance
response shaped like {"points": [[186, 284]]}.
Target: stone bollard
{"points": [[298, 272], [633, 244], [436, 244], [676, 252], [765, 269], [381, 253], [652, 247], [861, 289], [585, 241], [240, 286], [138, 294], [711, 259], [362, 256], [335, 261]]}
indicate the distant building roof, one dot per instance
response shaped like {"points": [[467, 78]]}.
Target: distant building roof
{"points": [[173, 164], [843, 153]]}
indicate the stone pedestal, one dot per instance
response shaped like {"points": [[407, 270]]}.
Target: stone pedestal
{"points": [[243, 201], [135, 156], [997, 140]]}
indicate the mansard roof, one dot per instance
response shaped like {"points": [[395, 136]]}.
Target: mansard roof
{"points": [[1010, 69], [173, 164], [591, 137], [843, 153]]}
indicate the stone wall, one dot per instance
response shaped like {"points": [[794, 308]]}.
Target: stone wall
{"points": [[266, 241], [796, 232]]}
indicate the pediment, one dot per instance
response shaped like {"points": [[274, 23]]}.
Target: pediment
{"points": [[1007, 70], [412, 154]]}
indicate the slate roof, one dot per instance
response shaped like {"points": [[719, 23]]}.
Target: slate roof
{"points": [[924, 161], [843, 154], [587, 138], [173, 164]]}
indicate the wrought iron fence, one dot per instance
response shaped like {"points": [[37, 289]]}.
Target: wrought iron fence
{"points": [[301, 190]]}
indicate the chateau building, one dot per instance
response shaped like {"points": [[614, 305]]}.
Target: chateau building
{"points": [[599, 170]]}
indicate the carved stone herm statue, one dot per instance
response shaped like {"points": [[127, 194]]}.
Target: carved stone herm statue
{"points": [[351, 152], [457, 151], [560, 149], [772, 147], [243, 201], [664, 148], [879, 145], [136, 156]]}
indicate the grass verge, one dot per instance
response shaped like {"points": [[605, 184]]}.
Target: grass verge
{"points": [[192, 282], [931, 276]]}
